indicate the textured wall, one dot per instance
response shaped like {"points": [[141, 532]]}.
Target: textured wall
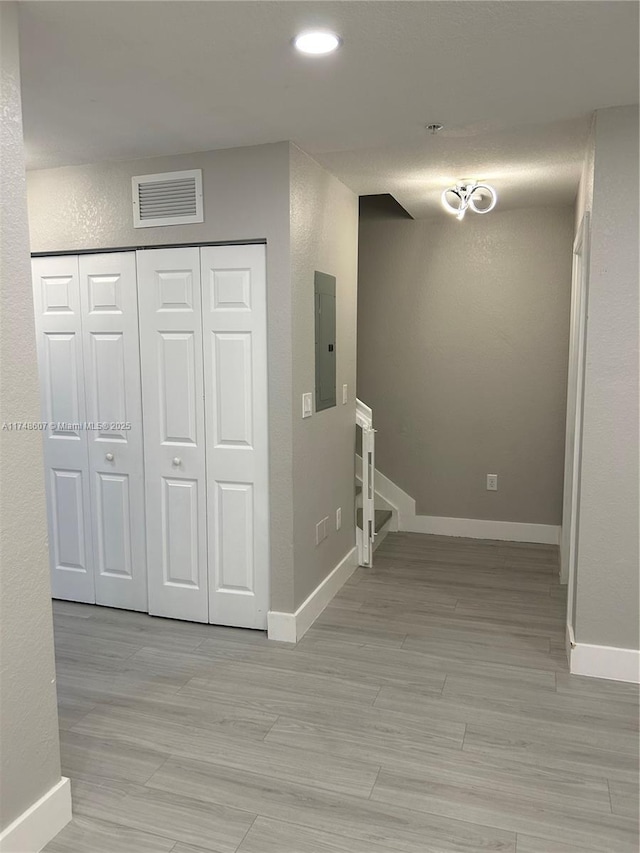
{"points": [[246, 196], [462, 353], [29, 746], [324, 237], [607, 576]]}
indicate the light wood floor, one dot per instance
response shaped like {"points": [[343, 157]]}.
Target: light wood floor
{"points": [[429, 710]]}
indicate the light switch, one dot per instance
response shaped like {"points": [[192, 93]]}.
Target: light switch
{"points": [[345, 395], [307, 404]]}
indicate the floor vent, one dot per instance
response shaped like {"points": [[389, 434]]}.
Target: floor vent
{"points": [[172, 198]]}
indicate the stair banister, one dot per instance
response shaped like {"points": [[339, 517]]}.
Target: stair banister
{"points": [[364, 419]]}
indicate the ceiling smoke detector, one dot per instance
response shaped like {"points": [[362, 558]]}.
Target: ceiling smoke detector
{"points": [[434, 128]]}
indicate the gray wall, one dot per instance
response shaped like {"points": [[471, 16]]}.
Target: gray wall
{"points": [[309, 220], [246, 196], [462, 353], [607, 595], [324, 235], [29, 745]]}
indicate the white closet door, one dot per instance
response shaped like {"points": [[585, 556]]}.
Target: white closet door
{"points": [[174, 439], [59, 339], [113, 396], [235, 368]]}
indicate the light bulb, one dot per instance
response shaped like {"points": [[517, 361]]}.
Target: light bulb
{"points": [[317, 42]]}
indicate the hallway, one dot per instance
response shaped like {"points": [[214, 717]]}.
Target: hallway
{"points": [[428, 710]]}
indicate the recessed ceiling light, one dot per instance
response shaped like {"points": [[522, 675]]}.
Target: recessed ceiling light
{"points": [[317, 42]]}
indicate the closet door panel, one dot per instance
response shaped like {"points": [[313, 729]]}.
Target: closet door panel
{"points": [[235, 361], [108, 293], [58, 322], [174, 437]]}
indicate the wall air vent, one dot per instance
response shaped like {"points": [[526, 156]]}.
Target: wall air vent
{"points": [[172, 198]]}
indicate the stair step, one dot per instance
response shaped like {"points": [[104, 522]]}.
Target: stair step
{"points": [[381, 518]]}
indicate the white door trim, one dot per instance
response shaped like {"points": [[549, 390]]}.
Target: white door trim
{"points": [[575, 404]]}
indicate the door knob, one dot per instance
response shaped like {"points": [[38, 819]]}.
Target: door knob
{"points": [[177, 461], [109, 457]]}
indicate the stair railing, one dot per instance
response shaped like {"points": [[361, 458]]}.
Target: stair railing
{"points": [[364, 420]]}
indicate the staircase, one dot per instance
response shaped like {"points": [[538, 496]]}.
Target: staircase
{"points": [[381, 517], [374, 516]]}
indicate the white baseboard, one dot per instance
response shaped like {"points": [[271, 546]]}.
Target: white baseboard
{"points": [[41, 822], [472, 528], [605, 662], [290, 627], [479, 528]]}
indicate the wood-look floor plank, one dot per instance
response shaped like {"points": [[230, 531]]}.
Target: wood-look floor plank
{"points": [[133, 631], [354, 817], [370, 736], [213, 827], [529, 844], [615, 692], [125, 729], [71, 709], [428, 710], [477, 710], [511, 809], [90, 835], [208, 713], [497, 694], [86, 757], [373, 671], [272, 836], [515, 740], [275, 691], [625, 798]]}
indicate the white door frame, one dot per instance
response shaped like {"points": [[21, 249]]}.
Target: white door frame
{"points": [[575, 405]]}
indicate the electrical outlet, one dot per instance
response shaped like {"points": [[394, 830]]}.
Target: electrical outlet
{"points": [[492, 482], [345, 394], [307, 405], [339, 518]]}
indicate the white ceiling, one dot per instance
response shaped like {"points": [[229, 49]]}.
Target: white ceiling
{"points": [[513, 83]]}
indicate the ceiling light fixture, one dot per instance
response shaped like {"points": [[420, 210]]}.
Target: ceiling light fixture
{"points": [[317, 42], [463, 196]]}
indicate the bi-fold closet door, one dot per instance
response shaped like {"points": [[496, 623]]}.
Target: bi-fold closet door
{"points": [[87, 337], [163, 505], [203, 340]]}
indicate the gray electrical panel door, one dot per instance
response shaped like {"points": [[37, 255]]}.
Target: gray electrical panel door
{"points": [[325, 302]]}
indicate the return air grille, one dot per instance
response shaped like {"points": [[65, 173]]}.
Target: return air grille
{"points": [[172, 198]]}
